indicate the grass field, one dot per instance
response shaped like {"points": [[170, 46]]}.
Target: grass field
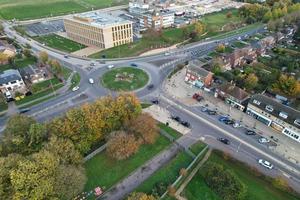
{"points": [[257, 187], [19, 63], [75, 80], [32, 9], [60, 43], [3, 106], [197, 147], [139, 79], [105, 172], [175, 134], [167, 174]]}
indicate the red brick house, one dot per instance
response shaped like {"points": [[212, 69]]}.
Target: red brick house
{"points": [[198, 76]]}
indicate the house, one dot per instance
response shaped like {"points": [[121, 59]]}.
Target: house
{"points": [[11, 80], [156, 20], [33, 74], [198, 76], [232, 95], [7, 50], [276, 115]]}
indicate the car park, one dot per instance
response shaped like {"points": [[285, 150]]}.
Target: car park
{"points": [[75, 88], [186, 124], [263, 140], [224, 141], [176, 118], [133, 65], [91, 81], [250, 132], [150, 87], [265, 163]]}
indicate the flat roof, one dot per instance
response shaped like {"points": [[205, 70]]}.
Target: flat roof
{"points": [[99, 19]]}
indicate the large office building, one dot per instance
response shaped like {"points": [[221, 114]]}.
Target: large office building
{"points": [[99, 29], [156, 20]]}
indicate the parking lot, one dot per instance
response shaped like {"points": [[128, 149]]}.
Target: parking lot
{"points": [[44, 28]]}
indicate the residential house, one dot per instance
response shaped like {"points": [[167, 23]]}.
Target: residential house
{"points": [[33, 74], [198, 76], [276, 115], [11, 80], [232, 95]]}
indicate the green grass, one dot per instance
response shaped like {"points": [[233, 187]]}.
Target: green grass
{"points": [[239, 44], [258, 188], [75, 80], [3, 107], [105, 172], [66, 73], [19, 63], [60, 43], [175, 134], [167, 174], [145, 105], [37, 102], [140, 79], [32, 9], [45, 84], [197, 147]]}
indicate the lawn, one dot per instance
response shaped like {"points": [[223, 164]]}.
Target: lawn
{"points": [[167, 174], [60, 43], [105, 172], [3, 106], [197, 147], [175, 134], [19, 63], [38, 101], [33, 9], [239, 44], [66, 73], [129, 79], [257, 187]]}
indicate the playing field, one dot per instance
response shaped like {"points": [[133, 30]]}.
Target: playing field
{"points": [[33, 9]]}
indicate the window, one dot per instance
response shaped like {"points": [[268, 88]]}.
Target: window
{"points": [[13, 82], [256, 102], [269, 108], [284, 115]]}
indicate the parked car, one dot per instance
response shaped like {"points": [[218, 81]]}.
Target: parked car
{"points": [[263, 140], [75, 88], [204, 109], [176, 118], [24, 110], [155, 101], [265, 163], [150, 87], [211, 112], [197, 97], [133, 65], [91, 81], [110, 66], [224, 140], [250, 132], [186, 124], [66, 56], [236, 125], [223, 118], [92, 64]]}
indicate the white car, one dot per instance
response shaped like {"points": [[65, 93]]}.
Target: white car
{"points": [[263, 140], [236, 125], [91, 81], [110, 66], [75, 88], [265, 163]]}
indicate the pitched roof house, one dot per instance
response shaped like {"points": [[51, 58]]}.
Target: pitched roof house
{"points": [[198, 76]]}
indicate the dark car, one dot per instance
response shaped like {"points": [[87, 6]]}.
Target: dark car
{"points": [[150, 87], [197, 97], [186, 124], [224, 140], [24, 110], [133, 65], [155, 101], [66, 56], [223, 118], [211, 112], [176, 118], [228, 122], [250, 132]]}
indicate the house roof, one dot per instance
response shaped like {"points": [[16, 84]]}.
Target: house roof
{"points": [[9, 75], [233, 91], [196, 66], [278, 108]]}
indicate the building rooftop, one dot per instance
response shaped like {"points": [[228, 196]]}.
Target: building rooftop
{"points": [[99, 19], [270, 105], [196, 66], [234, 91], [9, 75]]}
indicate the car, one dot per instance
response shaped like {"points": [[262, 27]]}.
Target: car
{"points": [[110, 66], [176, 118], [265, 163], [92, 64], [223, 118], [24, 110], [133, 65], [167, 54], [204, 109], [211, 112], [263, 140], [236, 125], [150, 87], [91, 81], [224, 140], [250, 132], [186, 124], [228, 121], [66, 56], [75, 88], [155, 101], [197, 97], [102, 61]]}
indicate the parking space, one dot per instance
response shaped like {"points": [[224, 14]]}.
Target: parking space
{"points": [[44, 28]]}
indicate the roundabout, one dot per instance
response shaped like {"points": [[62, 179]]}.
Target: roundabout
{"points": [[124, 79]]}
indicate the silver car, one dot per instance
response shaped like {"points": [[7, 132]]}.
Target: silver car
{"points": [[265, 163]]}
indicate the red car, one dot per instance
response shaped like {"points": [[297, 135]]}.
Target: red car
{"points": [[197, 97]]}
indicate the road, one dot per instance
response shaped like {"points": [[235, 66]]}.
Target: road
{"points": [[204, 127]]}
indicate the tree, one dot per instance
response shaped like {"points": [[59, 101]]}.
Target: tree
{"points": [[140, 196], [220, 48], [251, 81], [144, 127], [3, 58], [229, 14], [268, 16], [199, 27], [55, 67], [1, 28], [27, 52], [287, 85], [186, 32], [281, 184], [43, 56], [121, 145]]}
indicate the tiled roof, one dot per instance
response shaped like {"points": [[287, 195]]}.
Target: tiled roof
{"points": [[233, 91]]}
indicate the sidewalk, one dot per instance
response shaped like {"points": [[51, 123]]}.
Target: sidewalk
{"points": [[183, 92]]}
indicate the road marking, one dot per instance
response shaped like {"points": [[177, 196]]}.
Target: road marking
{"points": [[233, 136]]}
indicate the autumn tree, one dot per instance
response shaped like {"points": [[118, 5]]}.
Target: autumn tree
{"points": [[27, 52], [199, 27], [55, 67], [220, 48], [281, 184], [144, 127], [122, 145], [3, 58], [140, 196], [43, 56], [229, 14], [251, 81], [287, 85]]}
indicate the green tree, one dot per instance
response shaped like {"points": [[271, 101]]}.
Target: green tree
{"points": [[140, 196], [56, 67], [287, 85], [43, 56], [251, 81], [220, 48], [27, 52], [199, 27], [268, 16]]}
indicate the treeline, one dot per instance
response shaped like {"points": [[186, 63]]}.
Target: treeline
{"points": [[45, 161]]}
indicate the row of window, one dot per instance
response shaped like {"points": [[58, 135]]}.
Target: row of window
{"points": [[122, 35], [12, 82], [121, 27]]}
